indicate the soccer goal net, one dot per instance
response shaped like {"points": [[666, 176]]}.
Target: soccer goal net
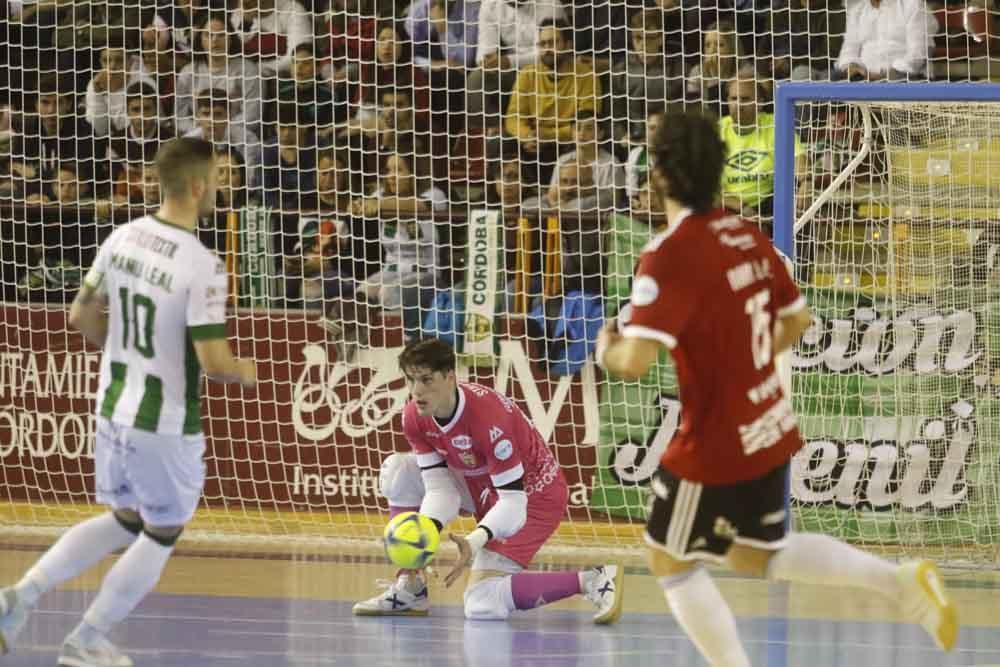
{"points": [[393, 170], [894, 231]]}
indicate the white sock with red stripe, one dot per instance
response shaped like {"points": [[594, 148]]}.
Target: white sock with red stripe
{"points": [[706, 618], [810, 558]]}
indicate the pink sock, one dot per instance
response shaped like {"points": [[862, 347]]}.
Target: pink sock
{"points": [[393, 510], [534, 589]]}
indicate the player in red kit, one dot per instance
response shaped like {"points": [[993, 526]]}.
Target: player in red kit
{"points": [[474, 450], [712, 290]]}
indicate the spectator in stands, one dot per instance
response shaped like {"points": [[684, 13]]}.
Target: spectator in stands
{"points": [[721, 58], [270, 30], [161, 61], [150, 186], [637, 165], [573, 190], [398, 123], [216, 64], [147, 126], [516, 194], [174, 22], [808, 33], [508, 40], [305, 89], [403, 203], [232, 195], [886, 39], [748, 178], [607, 175], [352, 28], [548, 96], [71, 191], [648, 77], [49, 134], [392, 68], [105, 109], [445, 33], [334, 182], [290, 166], [212, 122]]}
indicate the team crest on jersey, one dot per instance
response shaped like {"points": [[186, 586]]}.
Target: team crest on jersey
{"points": [[461, 442], [644, 290], [469, 459], [495, 433], [504, 450]]}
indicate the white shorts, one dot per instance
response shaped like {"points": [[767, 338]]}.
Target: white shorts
{"points": [[159, 476]]}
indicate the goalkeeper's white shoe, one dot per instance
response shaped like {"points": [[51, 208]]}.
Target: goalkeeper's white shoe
{"points": [[396, 600], [13, 616], [925, 601], [604, 586], [101, 653]]}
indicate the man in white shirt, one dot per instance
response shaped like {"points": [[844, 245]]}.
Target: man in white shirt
{"points": [[886, 39], [270, 30], [508, 40]]}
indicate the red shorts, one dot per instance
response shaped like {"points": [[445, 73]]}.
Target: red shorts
{"points": [[546, 510]]}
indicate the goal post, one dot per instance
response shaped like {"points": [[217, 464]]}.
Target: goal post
{"points": [[895, 246]]}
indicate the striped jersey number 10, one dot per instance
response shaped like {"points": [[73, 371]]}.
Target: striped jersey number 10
{"points": [[760, 327], [137, 318]]}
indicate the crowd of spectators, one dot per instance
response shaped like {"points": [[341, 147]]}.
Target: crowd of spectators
{"points": [[346, 112]]}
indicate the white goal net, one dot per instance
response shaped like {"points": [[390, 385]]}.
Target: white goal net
{"points": [[896, 383], [392, 170]]}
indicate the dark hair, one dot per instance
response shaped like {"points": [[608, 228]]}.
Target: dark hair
{"points": [[197, 51], [234, 154], [68, 165], [140, 90], [646, 20], [179, 159], [213, 97], [688, 151], [560, 25], [305, 47], [433, 354]]}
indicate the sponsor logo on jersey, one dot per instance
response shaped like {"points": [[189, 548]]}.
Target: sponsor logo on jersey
{"points": [[659, 488], [747, 160], [495, 433], [469, 459], [461, 442], [432, 434], [503, 450], [644, 291]]}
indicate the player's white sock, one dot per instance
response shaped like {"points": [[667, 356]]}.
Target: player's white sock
{"points": [[706, 618], [127, 583], [811, 558], [79, 548]]}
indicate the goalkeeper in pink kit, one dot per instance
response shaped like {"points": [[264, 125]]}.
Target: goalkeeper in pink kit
{"points": [[475, 451]]}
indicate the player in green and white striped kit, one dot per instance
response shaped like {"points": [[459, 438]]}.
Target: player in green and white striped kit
{"points": [[155, 302]]}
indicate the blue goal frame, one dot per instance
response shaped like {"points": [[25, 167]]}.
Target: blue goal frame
{"points": [[807, 91]]}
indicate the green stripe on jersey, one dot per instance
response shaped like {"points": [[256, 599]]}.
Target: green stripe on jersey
{"points": [[192, 386], [148, 416], [114, 390], [207, 331]]}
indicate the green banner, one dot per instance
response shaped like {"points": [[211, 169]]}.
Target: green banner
{"points": [[257, 279], [898, 405]]}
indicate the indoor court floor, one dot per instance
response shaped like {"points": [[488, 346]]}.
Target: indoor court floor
{"points": [[275, 608]]}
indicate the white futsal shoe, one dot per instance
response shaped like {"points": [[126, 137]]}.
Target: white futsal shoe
{"points": [[926, 602], [604, 587], [13, 615], [396, 600], [102, 653]]}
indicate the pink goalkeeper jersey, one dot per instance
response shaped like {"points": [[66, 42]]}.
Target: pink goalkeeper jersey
{"points": [[490, 443]]}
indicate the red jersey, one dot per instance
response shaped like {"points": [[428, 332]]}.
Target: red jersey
{"points": [[711, 288], [490, 443]]}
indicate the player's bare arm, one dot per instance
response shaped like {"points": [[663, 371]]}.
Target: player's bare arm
{"points": [[89, 315], [790, 328], [626, 358], [217, 360]]}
